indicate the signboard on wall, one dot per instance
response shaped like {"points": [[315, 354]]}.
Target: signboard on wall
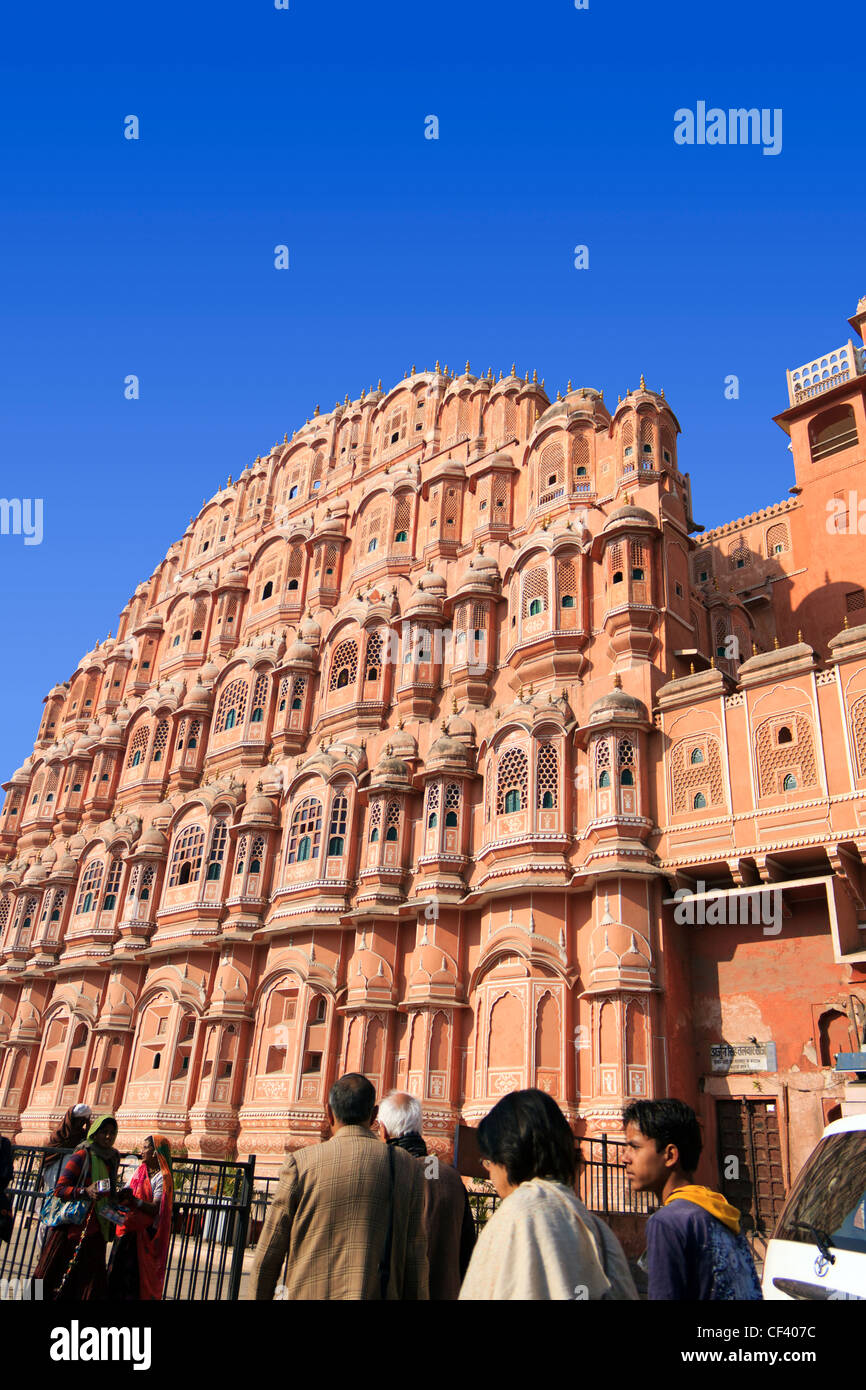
{"points": [[743, 1057]]}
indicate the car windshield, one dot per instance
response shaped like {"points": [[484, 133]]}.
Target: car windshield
{"points": [[828, 1200]]}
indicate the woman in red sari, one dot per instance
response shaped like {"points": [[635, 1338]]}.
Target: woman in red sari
{"points": [[141, 1252]]}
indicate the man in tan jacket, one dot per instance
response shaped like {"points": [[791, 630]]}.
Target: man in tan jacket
{"points": [[349, 1213]]}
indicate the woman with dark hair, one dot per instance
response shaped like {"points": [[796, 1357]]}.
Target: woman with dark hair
{"points": [[72, 1264], [141, 1250], [541, 1242]]}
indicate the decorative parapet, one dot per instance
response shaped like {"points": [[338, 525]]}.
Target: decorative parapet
{"points": [[826, 373]]}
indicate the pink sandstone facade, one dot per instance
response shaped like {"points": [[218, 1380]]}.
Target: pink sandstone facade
{"points": [[396, 762]]}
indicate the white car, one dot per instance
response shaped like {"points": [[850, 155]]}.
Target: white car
{"points": [[818, 1250]]}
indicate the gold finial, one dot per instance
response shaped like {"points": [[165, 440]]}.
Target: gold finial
{"points": [[601, 394], [531, 690], [558, 396], [617, 681], [534, 375], [363, 393], [799, 634], [754, 649], [500, 374], [437, 365], [443, 725], [401, 722], [514, 369], [662, 392], [413, 369], [542, 383], [776, 643], [453, 704], [468, 368], [379, 385], [642, 382], [526, 378], [712, 663], [691, 668], [569, 387], [446, 368], [315, 412], [346, 400], [845, 621], [618, 399]]}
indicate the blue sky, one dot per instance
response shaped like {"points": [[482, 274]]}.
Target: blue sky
{"points": [[306, 127]]}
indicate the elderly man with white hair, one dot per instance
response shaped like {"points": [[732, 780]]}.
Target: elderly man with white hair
{"points": [[447, 1214]]}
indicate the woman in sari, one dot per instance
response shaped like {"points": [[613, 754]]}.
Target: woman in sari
{"points": [[541, 1242], [141, 1253], [69, 1134], [72, 1264]]}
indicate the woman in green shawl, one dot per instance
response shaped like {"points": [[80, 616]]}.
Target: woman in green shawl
{"points": [[72, 1265]]}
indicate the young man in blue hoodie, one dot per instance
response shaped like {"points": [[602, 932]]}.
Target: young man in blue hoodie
{"points": [[694, 1247]]}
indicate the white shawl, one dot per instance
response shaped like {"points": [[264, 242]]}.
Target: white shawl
{"points": [[542, 1243]]}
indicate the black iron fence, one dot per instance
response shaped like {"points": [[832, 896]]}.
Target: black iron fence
{"points": [[209, 1228]]}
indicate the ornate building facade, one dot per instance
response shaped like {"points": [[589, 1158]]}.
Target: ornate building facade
{"points": [[403, 758]]}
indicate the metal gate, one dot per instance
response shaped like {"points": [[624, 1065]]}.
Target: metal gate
{"points": [[209, 1228], [754, 1183]]}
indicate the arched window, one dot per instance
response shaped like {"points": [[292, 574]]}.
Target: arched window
{"points": [[401, 536], [604, 778], [626, 777], [306, 831], [293, 492], [617, 576], [637, 572], [344, 665], [373, 545], [696, 757], [699, 802], [91, 882], [187, 857], [392, 822], [790, 783], [784, 735], [257, 716], [568, 601], [136, 758], [511, 782], [268, 589], [432, 820], [535, 608], [232, 706]]}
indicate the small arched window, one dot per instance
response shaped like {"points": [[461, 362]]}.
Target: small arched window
{"points": [[432, 821], [255, 866], [230, 719], [547, 801], [268, 590], [196, 636], [257, 716], [304, 847], [697, 756], [784, 735], [626, 777], [374, 834], [450, 820], [568, 601], [343, 679], [604, 779], [535, 608], [512, 800], [391, 833], [617, 576], [790, 783], [401, 536], [637, 572], [185, 873], [699, 802], [374, 545], [88, 902], [581, 472], [293, 492], [213, 872], [136, 759], [292, 585]]}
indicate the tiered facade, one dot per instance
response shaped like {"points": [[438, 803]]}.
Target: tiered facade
{"points": [[399, 756]]}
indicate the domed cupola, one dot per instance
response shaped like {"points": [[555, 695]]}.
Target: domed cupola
{"points": [[616, 741], [627, 548]]}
